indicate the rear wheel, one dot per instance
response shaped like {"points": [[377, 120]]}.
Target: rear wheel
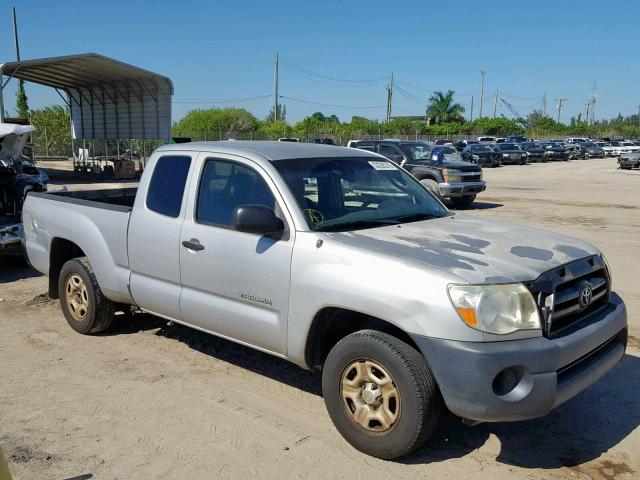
{"points": [[85, 307], [463, 202], [380, 394]]}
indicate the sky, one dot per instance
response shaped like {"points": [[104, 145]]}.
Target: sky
{"points": [[341, 54]]}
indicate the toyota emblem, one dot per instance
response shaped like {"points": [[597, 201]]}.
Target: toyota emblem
{"points": [[585, 295]]}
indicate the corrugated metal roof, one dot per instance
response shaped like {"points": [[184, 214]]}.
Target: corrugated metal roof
{"points": [[109, 99]]}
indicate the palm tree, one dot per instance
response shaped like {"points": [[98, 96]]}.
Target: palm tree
{"points": [[442, 109]]}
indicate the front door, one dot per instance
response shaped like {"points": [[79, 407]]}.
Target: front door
{"points": [[235, 284]]}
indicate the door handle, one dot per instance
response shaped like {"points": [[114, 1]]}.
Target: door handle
{"points": [[193, 244]]}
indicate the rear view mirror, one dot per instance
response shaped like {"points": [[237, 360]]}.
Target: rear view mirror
{"points": [[256, 219]]}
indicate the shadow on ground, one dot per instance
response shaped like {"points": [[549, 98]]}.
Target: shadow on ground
{"points": [[15, 268], [475, 206], [575, 433]]}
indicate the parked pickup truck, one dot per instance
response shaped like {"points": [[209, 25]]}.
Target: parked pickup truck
{"points": [[446, 174], [338, 260]]}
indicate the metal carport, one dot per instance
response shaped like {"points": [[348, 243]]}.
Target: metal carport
{"points": [[108, 99]]}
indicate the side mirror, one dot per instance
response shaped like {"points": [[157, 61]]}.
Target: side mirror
{"points": [[256, 219]]}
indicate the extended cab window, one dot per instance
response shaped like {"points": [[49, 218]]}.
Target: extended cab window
{"points": [[226, 185], [166, 188]]}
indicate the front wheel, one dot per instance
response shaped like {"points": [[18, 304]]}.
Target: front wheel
{"points": [[380, 394], [432, 186], [84, 305]]}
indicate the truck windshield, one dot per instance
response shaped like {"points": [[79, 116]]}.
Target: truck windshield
{"points": [[343, 194]]}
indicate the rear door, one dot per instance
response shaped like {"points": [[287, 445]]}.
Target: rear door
{"points": [[154, 235], [235, 284]]}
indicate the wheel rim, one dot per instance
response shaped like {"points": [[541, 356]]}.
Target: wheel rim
{"points": [[77, 297], [369, 396]]}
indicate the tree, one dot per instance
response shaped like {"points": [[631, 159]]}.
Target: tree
{"points": [[22, 105], [215, 123], [442, 109], [282, 113], [53, 131]]}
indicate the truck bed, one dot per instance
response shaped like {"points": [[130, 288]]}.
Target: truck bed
{"points": [[96, 221], [104, 198]]}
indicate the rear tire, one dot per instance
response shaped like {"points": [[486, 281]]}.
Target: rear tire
{"points": [[370, 375], [85, 307], [463, 202]]}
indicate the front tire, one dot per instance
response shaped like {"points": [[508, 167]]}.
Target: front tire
{"points": [[432, 186], [380, 394], [85, 307]]}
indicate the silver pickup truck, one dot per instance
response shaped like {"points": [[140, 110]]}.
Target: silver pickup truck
{"points": [[340, 261]]}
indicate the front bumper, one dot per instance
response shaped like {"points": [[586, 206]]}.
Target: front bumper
{"points": [[460, 189], [548, 371]]}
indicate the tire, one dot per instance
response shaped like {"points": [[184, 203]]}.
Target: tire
{"points": [[463, 202], [417, 405], [85, 307], [432, 186]]}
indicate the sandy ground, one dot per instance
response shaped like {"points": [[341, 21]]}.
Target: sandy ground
{"points": [[150, 400]]}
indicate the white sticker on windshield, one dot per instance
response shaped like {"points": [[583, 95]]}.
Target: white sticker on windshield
{"points": [[382, 165]]}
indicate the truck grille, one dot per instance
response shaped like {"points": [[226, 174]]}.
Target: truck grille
{"points": [[569, 294]]}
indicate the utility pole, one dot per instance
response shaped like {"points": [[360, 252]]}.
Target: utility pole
{"points": [[638, 114], [594, 89], [15, 38], [495, 103], [471, 118], [389, 98], [560, 102], [544, 104], [275, 87], [482, 74], [588, 104]]}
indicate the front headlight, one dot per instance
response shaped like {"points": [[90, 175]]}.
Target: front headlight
{"points": [[505, 155], [498, 309], [475, 157]]}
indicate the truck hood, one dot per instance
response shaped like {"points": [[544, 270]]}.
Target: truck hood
{"points": [[475, 250]]}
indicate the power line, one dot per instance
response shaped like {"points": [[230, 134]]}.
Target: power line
{"points": [[232, 100], [310, 102], [294, 66]]}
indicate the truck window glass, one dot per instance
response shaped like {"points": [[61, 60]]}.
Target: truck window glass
{"points": [[227, 185], [167, 185]]}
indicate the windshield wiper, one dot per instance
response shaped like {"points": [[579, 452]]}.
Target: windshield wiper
{"points": [[356, 224], [417, 217]]}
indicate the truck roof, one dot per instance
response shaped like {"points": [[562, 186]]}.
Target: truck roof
{"points": [[271, 151]]}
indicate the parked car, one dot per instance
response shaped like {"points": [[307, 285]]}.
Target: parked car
{"points": [[439, 168], [487, 139], [535, 151], [18, 176], [324, 141], [576, 150], [577, 140], [556, 151], [339, 261], [623, 146], [460, 145], [443, 142], [593, 150], [627, 161], [511, 153], [516, 139], [483, 155], [606, 148]]}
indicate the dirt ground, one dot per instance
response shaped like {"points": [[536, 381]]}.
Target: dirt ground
{"points": [[150, 400]]}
